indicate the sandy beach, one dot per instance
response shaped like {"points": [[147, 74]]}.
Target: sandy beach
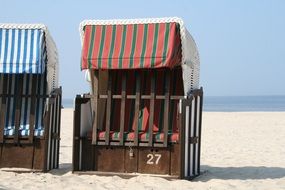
{"points": [[240, 150]]}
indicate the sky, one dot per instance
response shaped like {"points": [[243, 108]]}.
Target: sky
{"points": [[241, 43]]}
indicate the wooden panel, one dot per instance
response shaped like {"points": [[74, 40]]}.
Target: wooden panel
{"points": [[166, 109], [190, 146], [151, 114], [17, 156], [137, 108], [110, 159], [58, 126], [154, 161], [86, 155], [4, 80], [108, 109], [31, 156], [194, 135], [94, 104], [122, 111], [102, 89], [51, 129], [47, 122], [175, 159], [18, 102], [76, 135], [131, 159], [39, 154], [200, 128], [182, 140], [33, 107], [56, 134]]}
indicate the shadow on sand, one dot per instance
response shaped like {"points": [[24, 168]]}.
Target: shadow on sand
{"points": [[63, 169], [241, 173], [211, 172]]}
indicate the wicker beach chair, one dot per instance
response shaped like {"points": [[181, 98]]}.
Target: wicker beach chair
{"points": [[144, 112], [30, 100]]}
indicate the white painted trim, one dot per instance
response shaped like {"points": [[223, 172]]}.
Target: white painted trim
{"points": [[186, 143]]}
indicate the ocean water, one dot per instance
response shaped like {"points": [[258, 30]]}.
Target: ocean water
{"points": [[232, 103], [67, 103], [244, 103]]}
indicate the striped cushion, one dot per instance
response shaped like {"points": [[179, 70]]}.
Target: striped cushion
{"points": [[13, 81], [24, 132], [143, 136]]}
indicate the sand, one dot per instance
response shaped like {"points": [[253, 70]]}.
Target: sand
{"points": [[239, 151]]}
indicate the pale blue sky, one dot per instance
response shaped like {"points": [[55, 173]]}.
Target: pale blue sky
{"points": [[241, 43]]}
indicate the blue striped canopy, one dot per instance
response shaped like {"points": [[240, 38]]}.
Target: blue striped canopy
{"points": [[22, 51]]}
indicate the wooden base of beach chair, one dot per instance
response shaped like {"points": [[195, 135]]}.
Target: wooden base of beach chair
{"points": [[35, 157], [126, 160], [30, 156], [31, 152], [180, 159]]}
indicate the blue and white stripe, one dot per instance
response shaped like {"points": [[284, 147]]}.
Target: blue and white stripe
{"points": [[9, 128], [22, 51]]}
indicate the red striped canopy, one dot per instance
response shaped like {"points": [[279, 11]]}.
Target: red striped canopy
{"points": [[131, 46]]}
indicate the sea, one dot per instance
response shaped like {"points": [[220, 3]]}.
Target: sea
{"points": [[233, 103]]}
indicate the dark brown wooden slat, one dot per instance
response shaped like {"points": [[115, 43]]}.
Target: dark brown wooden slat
{"points": [[52, 123], [151, 114], [25, 96], [47, 124], [94, 82], [54, 134], [108, 109], [137, 108], [76, 133], [4, 85], [194, 132], [1, 89], [33, 107], [18, 102], [200, 127], [181, 127], [166, 108], [191, 107], [8, 87], [59, 123], [123, 104]]}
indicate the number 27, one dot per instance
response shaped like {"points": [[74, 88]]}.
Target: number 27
{"points": [[151, 158]]}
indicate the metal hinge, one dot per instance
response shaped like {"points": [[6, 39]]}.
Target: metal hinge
{"points": [[194, 140]]}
